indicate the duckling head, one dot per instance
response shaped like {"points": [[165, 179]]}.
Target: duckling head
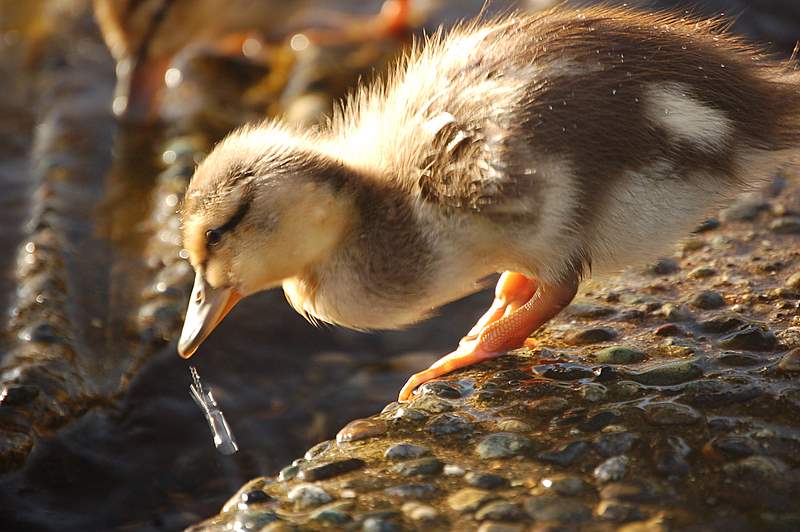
{"points": [[262, 208]]}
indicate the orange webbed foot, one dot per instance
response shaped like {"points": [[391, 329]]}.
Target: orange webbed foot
{"points": [[521, 306]]}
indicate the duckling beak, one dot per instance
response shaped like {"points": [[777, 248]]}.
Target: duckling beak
{"points": [[207, 307]]}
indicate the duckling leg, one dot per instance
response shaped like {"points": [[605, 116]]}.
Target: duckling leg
{"points": [[503, 327]]}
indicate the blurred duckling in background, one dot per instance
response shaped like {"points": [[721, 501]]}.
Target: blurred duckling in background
{"points": [[145, 36], [546, 147]]}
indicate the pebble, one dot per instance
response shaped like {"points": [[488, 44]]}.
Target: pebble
{"points": [[500, 511], [380, 524], [785, 225], [558, 509], [664, 413], [330, 470], [745, 209], [588, 311], [790, 337], [613, 468], [707, 225], [440, 389], [502, 445], [618, 512], [669, 329], [361, 429], [410, 415], [43, 332], [708, 300], [670, 456], [668, 374], [417, 511], [790, 362], [564, 455], [664, 266], [288, 473], [419, 467], [469, 499], [631, 491], [594, 335], [513, 425], [564, 372], [675, 312], [411, 491], [702, 272], [750, 338], [485, 481], [333, 514], [548, 405], [448, 424], [569, 486], [793, 281], [594, 392], [318, 450], [599, 421], [739, 359], [615, 443], [431, 403], [619, 355], [756, 466], [405, 451], [308, 496], [721, 324]]}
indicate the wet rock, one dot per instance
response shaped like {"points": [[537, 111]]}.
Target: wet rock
{"points": [[721, 324], [565, 485], [707, 225], [405, 451], [331, 470], [502, 445], [44, 333], [485, 481], [308, 496], [333, 514], [612, 469], [669, 329], [671, 414], [790, 337], [793, 281], [469, 499], [668, 374], [318, 450], [675, 312], [361, 429], [500, 527], [708, 300], [739, 359], [548, 406], [618, 512], [760, 467], [422, 467], [750, 338], [500, 511], [785, 225], [599, 421], [719, 392], [641, 491], [409, 415], [702, 272], [564, 372], [420, 512], [443, 390], [564, 455], [594, 335], [431, 403], [615, 443], [670, 456], [448, 424], [593, 392], [557, 509], [288, 473], [513, 425], [664, 267], [380, 524], [589, 312], [619, 355], [419, 490], [790, 362]]}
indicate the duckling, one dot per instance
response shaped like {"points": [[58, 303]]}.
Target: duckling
{"points": [[547, 147], [145, 36]]}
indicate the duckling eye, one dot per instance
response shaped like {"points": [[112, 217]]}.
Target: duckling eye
{"points": [[213, 237]]}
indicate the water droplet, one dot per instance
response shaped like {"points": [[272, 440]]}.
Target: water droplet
{"points": [[613, 92], [550, 107], [299, 42], [173, 77], [722, 65], [683, 47]]}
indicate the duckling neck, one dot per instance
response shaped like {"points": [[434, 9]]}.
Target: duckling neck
{"points": [[383, 272]]}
